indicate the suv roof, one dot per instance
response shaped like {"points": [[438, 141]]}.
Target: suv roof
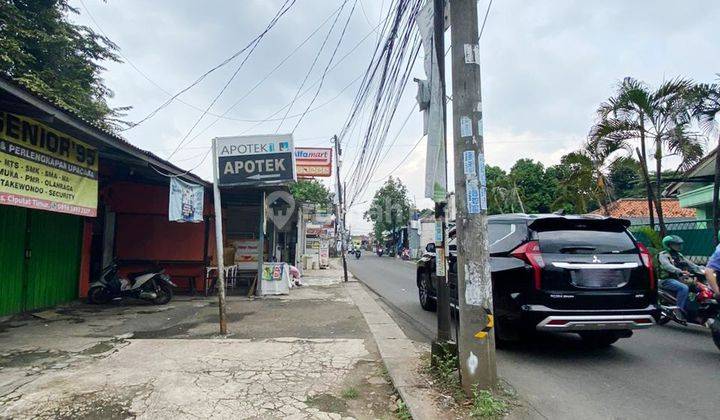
{"points": [[528, 217]]}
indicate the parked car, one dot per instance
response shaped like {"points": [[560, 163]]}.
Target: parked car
{"points": [[579, 274]]}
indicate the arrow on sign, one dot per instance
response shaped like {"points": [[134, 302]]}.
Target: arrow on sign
{"points": [[266, 176]]}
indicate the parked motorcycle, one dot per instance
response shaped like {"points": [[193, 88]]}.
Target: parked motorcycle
{"points": [[151, 285], [357, 254], [703, 310]]}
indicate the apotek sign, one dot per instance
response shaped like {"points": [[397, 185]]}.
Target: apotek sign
{"points": [[313, 161], [255, 160], [42, 168]]}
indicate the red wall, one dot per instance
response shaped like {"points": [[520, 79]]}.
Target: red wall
{"points": [[143, 232]]}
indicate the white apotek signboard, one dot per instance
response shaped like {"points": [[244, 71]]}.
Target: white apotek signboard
{"points": [[255, 160]]}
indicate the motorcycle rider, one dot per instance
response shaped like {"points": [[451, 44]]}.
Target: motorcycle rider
{"points": [[674, 268], [711, 270]]}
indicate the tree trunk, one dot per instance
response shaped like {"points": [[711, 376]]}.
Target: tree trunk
{"points": [[658, 186], [716, 185], [643, 162], [646, 178]]}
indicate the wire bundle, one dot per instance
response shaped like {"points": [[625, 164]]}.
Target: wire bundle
{"points": [[382, 87]]}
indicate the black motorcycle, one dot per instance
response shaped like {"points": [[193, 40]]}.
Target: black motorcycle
{"points": [[152, 285], [703, 309], [357, 254]]}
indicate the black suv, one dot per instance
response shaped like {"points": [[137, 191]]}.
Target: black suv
{"points": [[578, 274]]}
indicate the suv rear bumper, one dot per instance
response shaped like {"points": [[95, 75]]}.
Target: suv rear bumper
{"points": [[547, 319]]}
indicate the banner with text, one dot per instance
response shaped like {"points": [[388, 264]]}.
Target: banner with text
{"points": [[42, 168], [255, 160]]}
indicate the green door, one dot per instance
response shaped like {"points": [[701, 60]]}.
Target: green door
{"points": [[12, 258], [53, 267]]}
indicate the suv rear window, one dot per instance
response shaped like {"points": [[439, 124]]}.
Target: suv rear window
{"points": [[504, 237], [585, 242]]}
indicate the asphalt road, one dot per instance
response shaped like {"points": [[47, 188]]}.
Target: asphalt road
{"points": [[667, 372]]}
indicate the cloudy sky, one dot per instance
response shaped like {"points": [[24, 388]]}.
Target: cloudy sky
{"points": [[546, 66]]}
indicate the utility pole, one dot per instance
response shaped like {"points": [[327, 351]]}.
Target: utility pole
{"points": [[340, 217], [219, 247], [444, 334], [476, 342]]}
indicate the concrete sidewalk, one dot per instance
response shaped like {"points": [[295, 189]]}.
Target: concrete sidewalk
{"points": [[306, 355]]}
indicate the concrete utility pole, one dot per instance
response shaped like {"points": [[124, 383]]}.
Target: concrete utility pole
{"points": [[219, 246], [476, 342], [444, 333], [340, 217]]}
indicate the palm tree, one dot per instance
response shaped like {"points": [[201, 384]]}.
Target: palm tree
{"points": [[706, 109], [585, 176], [576, 182], [639, 113]]}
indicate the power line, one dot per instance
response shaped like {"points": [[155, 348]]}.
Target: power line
{"points": [[271, 118], [286, 6], [487, 12], [312, 65], [136, 68], [213, 69], [325, 71]]}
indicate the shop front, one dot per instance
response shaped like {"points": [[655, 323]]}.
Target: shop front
{"points": [[48, 187], [74, 197]]}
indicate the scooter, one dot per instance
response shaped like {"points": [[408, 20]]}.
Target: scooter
{"points": [[151, 285], [357, 254], [379, 252], [703, 309]]}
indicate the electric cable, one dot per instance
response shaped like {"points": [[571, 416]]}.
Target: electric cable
{"points": [[280, 13], [283, 10]]}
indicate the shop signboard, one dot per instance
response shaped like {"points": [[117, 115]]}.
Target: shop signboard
{"points": [[254, 160], [275, 279], [246, 253], [43, 168], [313, 161]]}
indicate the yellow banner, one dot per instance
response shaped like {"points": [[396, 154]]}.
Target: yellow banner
{"points": [[43, 168]]}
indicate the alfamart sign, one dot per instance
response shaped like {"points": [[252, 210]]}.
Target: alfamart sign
{"points": [[255, 160], [313, 161], [42, 168]]}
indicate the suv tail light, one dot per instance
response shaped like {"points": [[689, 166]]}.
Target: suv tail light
{"points": [[647, 261], [530, 253]]}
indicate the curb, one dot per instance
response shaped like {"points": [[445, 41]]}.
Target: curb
{"points": [[399, 354]]}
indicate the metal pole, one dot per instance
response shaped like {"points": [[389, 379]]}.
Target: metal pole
{"points": [[219, 242], [476, 343], [341, 209], [444, 333]]}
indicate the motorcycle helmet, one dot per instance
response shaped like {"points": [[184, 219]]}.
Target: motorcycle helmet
{"points": [[672, 242]]}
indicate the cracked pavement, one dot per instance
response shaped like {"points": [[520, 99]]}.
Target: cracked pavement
{"points": [[287, 357]]}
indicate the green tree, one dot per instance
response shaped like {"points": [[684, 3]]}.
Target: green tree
{"points": [[500, 191], [41, 49], [637, 112], [577, 183], [390, 208], [426, 213], [706, 109], [625, 178], [535, 187], [311, 191]]}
